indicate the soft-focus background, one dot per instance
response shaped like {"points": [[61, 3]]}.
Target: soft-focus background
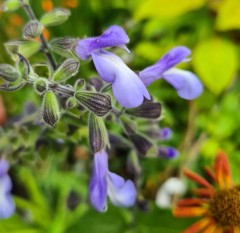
{"points": [[51, 171]]}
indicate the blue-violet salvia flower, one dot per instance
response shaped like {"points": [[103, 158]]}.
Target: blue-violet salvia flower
{"points": [[103, 183], [7, 206], [167, 152], [186, 83], [127, 88]]}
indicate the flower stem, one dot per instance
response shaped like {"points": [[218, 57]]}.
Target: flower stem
{"points": [[45, 46]]}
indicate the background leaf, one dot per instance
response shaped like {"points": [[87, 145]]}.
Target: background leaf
{"points": [[216, 62], [165, 8], [228, 15]]}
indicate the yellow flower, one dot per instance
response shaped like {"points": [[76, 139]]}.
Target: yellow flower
{"points": [[218, 203]]}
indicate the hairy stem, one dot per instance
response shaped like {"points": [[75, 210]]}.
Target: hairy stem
{"points": [[45, 46]]}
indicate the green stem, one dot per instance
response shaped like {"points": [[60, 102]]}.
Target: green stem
{"points": [[45, 46]]}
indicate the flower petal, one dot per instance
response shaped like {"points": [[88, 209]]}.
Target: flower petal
{"points": [[4, 166], [120, 192], [189, 211], [98, 183], [198, 226], [169, 188], [127, 88], [223, 171], [7, 206], [167, 152], [5, 184], [113, 36], [169, 60], [186, 83]]}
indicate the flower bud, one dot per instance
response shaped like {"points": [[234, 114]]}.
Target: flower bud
{"points": [[32, 30], [98, 136], [167, 152], [79, 85], [63, 46], [67, 70], [40, 85], [98, 103], [11, 5], [146, 110], [128, 125], [64, 43], [8, 73], [50, 109], [141, 143], [71, 102], [55, 17]]}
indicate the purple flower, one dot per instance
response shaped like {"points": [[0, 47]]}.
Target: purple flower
{"points": [[7, 206], [127, 88], [103, 183], [167, 152], [165, 133], [113, 36], [186, 83]]}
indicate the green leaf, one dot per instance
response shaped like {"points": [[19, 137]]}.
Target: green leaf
{"points": [[16, 225], [166, 9], [228, 15], [23, 47], [216, 63]]}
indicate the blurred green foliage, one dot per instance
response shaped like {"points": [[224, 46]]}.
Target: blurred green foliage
{"points": [[52, 167]]}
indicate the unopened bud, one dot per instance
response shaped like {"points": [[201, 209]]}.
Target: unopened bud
{"points": [[67, 70], [146, 110], [32, 30], [50, 109], [79, 85], [64, 43], [11, 5], [167, 152], [141, 143], [128, 125], [98, 136], [63, 46], [55, 17], [8, 73], [98, 103], [97, 83], [40, 85], [71, 102]]}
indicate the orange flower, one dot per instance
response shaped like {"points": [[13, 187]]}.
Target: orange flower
{"points": [[47, 5], [219, 203], [70, 3]]}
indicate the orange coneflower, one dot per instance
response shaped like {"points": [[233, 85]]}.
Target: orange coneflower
{"points": [[219, 203]]}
